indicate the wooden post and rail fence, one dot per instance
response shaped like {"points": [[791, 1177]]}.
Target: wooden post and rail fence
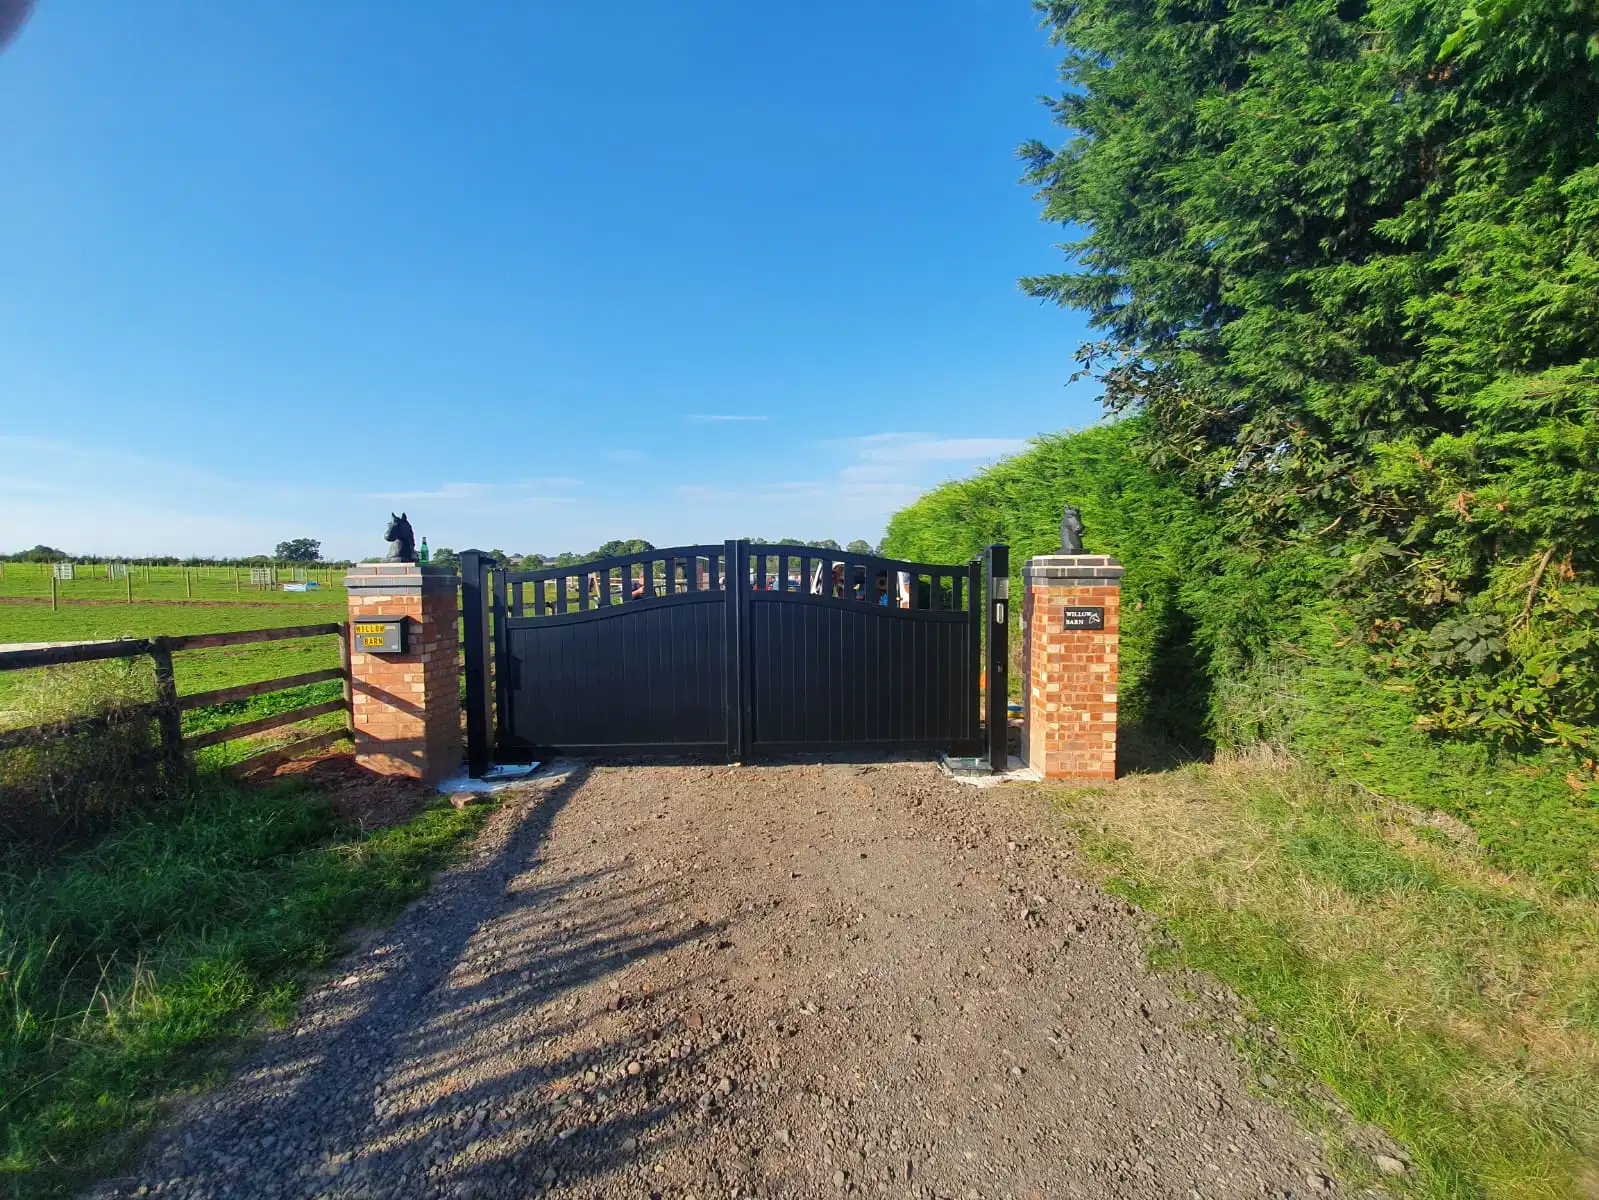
{"points": [[168, 707]]}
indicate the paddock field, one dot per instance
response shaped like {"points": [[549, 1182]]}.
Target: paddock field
{"points": [[90, 608]]}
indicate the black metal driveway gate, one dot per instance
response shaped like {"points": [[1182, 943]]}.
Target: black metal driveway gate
{"points": [[727, 650]]}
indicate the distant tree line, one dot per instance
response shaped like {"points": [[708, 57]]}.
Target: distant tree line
{"points": [[301, 551], [619, 548], [858, 546], [308, 552]]}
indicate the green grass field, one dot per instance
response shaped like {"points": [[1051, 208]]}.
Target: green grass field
{"points": [[31, 581], [92, 609], [128, 961]]}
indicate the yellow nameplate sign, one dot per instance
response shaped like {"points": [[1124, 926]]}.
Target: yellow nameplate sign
{"points": [[380, 637]]}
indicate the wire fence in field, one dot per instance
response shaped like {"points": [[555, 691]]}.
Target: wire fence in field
{"points": [[131, 583]]}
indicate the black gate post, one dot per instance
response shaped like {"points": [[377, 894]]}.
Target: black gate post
{"points": [[996, 592], [475, 641]]}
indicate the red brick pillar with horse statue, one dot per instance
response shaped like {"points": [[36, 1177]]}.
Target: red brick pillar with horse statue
{"points": [[404, 668]]}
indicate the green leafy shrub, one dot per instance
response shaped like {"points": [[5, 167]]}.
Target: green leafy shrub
{"points": [[1142, 517]]}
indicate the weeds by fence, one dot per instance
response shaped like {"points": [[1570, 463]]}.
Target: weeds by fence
{"points": [[106, 737]]}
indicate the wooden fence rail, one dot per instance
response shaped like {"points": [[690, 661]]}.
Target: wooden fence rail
{"points": [[168, 709]]}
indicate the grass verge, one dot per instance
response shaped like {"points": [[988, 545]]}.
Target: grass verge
{"points": [[1451, 1003], [125, 967], [1531, 813]]}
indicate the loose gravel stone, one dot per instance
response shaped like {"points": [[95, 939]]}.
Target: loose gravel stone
{"points": [[787, 981]]}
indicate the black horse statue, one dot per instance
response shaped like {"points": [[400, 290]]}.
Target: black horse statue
{"points": [[1071, 531], [402, 541]]}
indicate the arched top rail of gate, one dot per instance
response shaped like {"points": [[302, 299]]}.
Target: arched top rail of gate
{"points": [[623, 579], [618, 562], [678, 573], [842, 575]]}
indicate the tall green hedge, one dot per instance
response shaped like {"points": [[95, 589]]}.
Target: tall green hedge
{"points": [[1140, 516], [1224, 642], [1344, 257], [1195, 607]]}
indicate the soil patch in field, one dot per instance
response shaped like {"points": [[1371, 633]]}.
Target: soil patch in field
{"points": [[369, 800]]}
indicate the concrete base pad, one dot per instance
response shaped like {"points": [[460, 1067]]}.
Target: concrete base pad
{"points": [[500, 776], [975, 772]]}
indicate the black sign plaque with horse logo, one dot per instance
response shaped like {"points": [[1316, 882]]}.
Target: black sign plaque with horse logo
{"points": [[1082, 618]]}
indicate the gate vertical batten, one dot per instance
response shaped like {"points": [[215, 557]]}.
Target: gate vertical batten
{"points": [[743, 651], [976, 610], [503, 723], [475, 641], [731, 595], [996, 597]]}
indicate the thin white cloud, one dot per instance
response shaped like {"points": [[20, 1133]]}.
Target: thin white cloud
{"points": [[870, 472], [926, 448], [807, 493], [79, 525], [477, 493], [701, 494], [48, 461], [34, 487], [445, 493], [708, 418]]}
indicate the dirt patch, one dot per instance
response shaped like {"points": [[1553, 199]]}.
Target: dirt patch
{"points": [[369, 800], [793, 981]]}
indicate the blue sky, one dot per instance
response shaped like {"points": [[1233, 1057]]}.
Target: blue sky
{"points": [[540, 274]]}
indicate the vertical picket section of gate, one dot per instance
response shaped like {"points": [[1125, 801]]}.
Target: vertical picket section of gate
{"points": [[620, 656], [504, 681], [698, 650], [830, 668]]}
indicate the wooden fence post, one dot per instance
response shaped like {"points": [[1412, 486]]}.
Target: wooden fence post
{"points": [[53, 589], [344, 665], [127, 576], [168, 715]]}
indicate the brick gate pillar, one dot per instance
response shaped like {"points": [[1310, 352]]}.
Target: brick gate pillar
{"points": [[407, 705], [1071, 615]]}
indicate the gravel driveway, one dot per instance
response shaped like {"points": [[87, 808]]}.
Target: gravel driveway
{"points": [[801, 980]]}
